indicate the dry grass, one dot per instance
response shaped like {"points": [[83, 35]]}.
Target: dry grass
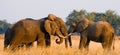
{"points": [[55, 49]]}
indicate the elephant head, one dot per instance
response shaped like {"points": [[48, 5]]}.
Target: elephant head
{"points": [[79, 25], [51, 17], [56, 26], [63, 29], [50, 25]]}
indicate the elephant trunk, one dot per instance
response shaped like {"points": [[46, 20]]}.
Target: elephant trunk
{"points": [[60, 40], [70, 31], [69, 39]]}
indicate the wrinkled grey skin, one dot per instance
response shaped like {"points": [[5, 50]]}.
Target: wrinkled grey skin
{"points": [[27, 31], [100, 31]]}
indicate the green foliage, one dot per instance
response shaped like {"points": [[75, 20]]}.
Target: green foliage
{"points": [[4, 26], [75, 15], [109, 16]]}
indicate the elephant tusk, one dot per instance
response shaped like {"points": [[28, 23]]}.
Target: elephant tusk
{"points": [[65, 36], [69, 34], [62, 36]]}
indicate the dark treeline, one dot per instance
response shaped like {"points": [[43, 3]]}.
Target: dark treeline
{"points": [[4, 26], [109, 16]]}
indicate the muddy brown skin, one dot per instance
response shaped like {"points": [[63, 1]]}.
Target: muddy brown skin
{"points": [[100, 31], [26, 31]]}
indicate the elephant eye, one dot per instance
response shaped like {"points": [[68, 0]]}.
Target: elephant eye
{"points": [[73, 24]]}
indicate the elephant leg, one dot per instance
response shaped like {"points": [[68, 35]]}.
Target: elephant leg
{"points": [[110, 43], [5, 46], [16, 40], [83, 41], [70, 41], [15, 44], [66, 42], [87, 45], [41, 40], [105, 45], [48, 40]]}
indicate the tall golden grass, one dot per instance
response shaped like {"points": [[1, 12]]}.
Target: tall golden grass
{"points": [[55, 49]]}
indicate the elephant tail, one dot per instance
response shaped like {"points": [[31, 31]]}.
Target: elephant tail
{"points": [[113, 40]]}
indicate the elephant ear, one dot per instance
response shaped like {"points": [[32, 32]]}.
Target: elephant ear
{"points": [[50, 27], [83, 24], [61, 26]]}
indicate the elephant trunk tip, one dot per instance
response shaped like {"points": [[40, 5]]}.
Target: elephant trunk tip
{"points": [[59, 41]]}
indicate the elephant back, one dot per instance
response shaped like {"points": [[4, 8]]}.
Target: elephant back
{"points": [[106, 25]]}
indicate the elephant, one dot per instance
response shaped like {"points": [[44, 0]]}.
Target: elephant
{"points": [[26, 31], [100, 31]]}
